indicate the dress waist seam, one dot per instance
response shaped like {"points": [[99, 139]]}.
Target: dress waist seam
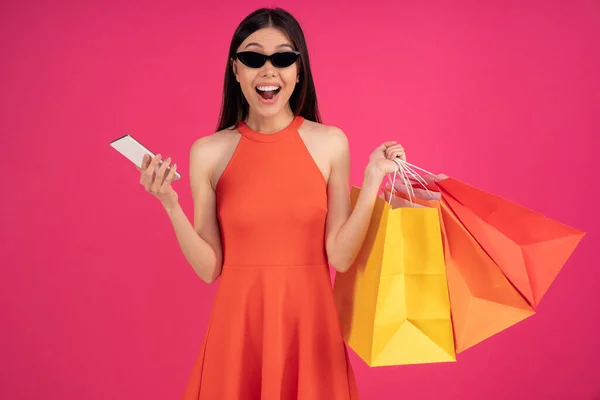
{"points": [[279, 265]]}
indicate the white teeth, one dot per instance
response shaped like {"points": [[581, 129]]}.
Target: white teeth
{"points": [[267, 88]]}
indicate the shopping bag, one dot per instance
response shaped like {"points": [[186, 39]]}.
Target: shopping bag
{"points": [[529, 248], [393, 302], [483, 302]]}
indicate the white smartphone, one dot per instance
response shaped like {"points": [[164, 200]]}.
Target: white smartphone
{"points": [[134, 151]]}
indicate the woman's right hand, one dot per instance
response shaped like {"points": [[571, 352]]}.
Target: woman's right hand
{"points": [[159, 183]]}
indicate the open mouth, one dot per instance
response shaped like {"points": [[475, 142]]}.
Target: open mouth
{"points": [[268, 92]]}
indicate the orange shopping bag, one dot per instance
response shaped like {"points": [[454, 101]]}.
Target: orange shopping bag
{"points": [[482, 300], [529, 248]]}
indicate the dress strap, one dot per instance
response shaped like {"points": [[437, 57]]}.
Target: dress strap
{"points": [[251, 134]]}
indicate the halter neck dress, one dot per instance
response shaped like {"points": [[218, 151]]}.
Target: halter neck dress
{"points": [[274, 332]]}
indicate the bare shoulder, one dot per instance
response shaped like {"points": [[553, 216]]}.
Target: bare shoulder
{"points": [[208, 147], [209, 154], [328, 137]]}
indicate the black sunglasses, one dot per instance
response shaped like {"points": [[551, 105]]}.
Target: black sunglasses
{"points": [[281, 59]]}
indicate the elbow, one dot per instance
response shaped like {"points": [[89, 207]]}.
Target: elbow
{"points": [[340, 264], [210, 278], [213, 275], [209, 274], [341, 268], [341, 258]]}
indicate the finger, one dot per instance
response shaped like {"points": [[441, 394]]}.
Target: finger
{"points": [[395, 153], [148, 178], [142, 168], [143, 175], [149, 171], [146, 161], [385, 145], [391, 149], [170, 176], [168, 172], [398, 157], [160, 174], [395, 147]]}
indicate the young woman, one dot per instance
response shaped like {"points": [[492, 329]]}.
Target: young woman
{"points": [[271, 212]]}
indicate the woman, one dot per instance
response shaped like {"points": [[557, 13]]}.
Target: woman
{"points": [[271, 211]]}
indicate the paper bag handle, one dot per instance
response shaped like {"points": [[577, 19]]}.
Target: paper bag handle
{"points": [[404, 170]]}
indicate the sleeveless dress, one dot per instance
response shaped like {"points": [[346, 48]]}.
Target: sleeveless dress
{"points": [[274, 332]]}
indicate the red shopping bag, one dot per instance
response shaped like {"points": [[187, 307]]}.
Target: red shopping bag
{"points": [[529, 247]]}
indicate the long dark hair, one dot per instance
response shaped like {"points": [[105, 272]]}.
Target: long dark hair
{"points": [[234, 107]]}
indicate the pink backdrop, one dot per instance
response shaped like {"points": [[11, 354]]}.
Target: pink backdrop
{"points": [[97, 300]]}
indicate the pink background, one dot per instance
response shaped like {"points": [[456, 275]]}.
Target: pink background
{"points": [[97, 301]]}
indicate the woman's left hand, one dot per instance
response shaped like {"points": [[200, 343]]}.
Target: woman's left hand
{"points": [[381, 158]]}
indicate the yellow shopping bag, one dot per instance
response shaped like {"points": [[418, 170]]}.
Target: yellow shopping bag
{"points": [[393, 303]]}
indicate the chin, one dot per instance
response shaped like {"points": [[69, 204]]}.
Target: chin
{"points": [[267, 111], [270, 110]]}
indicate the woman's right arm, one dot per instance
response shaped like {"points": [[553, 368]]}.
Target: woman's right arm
{"points": [[200, 242]]}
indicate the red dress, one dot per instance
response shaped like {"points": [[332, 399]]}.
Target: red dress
{"points": [[274, 331]]}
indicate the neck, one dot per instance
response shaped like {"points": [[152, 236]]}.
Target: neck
{"points": [[270, 124]]}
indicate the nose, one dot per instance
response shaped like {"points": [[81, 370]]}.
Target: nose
{"points": [[268, 69]]}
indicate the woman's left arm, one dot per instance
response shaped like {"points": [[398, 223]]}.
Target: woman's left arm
{"points": [[346, 228]]}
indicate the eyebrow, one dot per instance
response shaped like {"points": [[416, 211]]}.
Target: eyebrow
{"points": [[278, 46]]}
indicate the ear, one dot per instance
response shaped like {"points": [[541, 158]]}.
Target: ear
{"points": [[234, 70]]}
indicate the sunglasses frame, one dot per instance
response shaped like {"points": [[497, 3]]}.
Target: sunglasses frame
{"points": [[268, 58]]}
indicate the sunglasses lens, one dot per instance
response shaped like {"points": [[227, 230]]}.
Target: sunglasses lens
{"points": [[284, 59], [252, 59], [256, 60]]}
